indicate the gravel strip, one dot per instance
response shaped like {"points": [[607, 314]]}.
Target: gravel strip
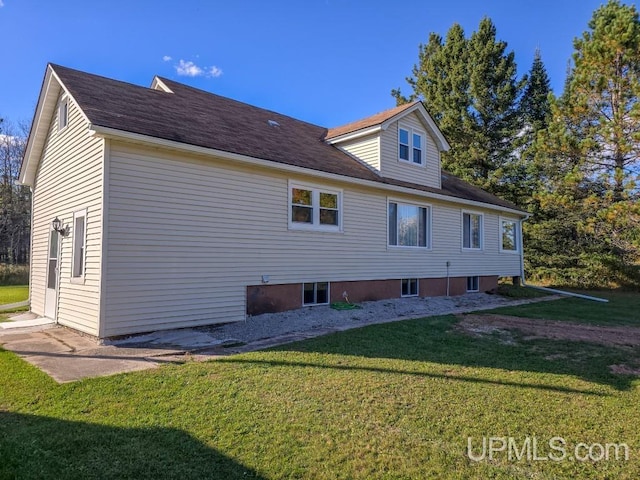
{"points": [[307, 319]]}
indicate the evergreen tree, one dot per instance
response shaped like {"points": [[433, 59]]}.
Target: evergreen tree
{"points": [[534, 105], [587, 227], [470, 88]]}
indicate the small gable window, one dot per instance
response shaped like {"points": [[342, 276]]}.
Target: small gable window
{"points": [[63, 114], [411, 145]]}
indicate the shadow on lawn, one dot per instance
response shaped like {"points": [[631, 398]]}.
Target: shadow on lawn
{"points": [[436, 339], [41, 447]]}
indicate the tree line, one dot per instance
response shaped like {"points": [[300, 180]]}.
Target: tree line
{"points": [[572, 161], [15, 200]]}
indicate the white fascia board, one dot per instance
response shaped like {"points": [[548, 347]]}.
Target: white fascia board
{"points": [[158, 84], [247, 160], [45, 110], [353, 135], [427, 121], [27, 162]]}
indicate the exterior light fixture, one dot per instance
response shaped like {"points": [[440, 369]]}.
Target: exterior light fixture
{"points": [[57, 226]]}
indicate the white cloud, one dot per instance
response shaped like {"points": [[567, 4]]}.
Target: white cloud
{"points": [[214, 72], [188, 68], [166, 58]]}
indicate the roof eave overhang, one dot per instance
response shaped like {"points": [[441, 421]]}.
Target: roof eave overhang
{"points": [[45, 110], [417, 107], [248, 160], [354, 135]]}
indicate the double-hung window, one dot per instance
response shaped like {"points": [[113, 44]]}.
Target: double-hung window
{"points": [[508, 236], [409, 225], [315, 208], [79, 232], [471, 231], [411, 145]]}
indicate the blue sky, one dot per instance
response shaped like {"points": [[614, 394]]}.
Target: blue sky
{"points": [[328, 62]]}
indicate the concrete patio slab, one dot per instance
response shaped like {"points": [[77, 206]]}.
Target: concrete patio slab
{"points": [[68, 356]]}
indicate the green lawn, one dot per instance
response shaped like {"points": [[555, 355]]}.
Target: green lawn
{"points": [[623, 309], [387, 401], [13, 294]]}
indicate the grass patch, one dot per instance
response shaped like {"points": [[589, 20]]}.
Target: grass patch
{"points": [[623, 309], [13, 294], [386, 401]]}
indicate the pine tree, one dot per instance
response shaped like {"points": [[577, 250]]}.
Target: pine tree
{"points": [[587, 226], [604, 94], [470, 88]]}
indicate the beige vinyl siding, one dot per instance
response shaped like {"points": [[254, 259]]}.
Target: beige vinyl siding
{"points": [[366, 149], [392, 167], [187, 234], [69, 179]]}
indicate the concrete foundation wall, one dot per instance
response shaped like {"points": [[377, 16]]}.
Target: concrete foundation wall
{"points": [[280, 298]]}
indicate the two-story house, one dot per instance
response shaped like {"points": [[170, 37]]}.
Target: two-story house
{"points": [[168, 206]]}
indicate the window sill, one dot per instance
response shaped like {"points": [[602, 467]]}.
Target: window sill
{"points": [[77, 280], [408, 162], [409, 249], [510, 252], [314, 228]]}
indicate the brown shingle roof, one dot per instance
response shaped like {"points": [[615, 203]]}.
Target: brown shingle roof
{"points": [[200, 118], [371, 121]]}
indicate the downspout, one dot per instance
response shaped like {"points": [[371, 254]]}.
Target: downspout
{"points": [[448, 264], [545, 289]]}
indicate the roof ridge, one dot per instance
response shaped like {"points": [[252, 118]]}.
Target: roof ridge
{"points": [[55, 66], [239, 102]]}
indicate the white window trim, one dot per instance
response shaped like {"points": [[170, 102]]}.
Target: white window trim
{"points": [[81, 278], [64, 101], [501, 220], [417, 294], [429, 208], [316, 288], [423, 148], [476, 290], [315, 226], [471, 249]]}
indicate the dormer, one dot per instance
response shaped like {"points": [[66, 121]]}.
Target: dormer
{"points": [[402, 143]]}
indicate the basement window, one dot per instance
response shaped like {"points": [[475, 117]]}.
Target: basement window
{"points": [[473, 284], [409, 287], [315, 293]]}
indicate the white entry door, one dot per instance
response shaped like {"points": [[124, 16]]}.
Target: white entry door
{"points": [[51, 295]]}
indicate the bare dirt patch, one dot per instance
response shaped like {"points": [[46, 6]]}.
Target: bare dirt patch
{"points": [[536, 328]]}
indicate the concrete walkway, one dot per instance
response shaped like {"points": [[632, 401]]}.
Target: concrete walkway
{"points": [[67, 355], [11, 306]]}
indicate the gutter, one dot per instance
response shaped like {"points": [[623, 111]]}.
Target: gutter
{"points": [[272, 165], [545, 289]]}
